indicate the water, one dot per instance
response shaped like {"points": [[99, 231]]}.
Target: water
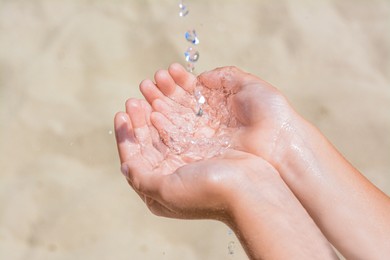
{"points": [[200, 100], [191, 54], [205, 130], [183, 9], [198, 133], [200, 112], [190, 66], [192, 37]]}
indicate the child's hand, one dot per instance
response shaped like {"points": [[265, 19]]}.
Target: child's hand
{"points": [[238, 188], [247, 112], [171, 187]]}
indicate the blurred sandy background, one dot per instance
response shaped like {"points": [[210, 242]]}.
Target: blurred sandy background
{"points": [[66, 67]]}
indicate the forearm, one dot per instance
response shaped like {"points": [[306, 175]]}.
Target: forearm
{"points": [[350, 211], [276, 226]]}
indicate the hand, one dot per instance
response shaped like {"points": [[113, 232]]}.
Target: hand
{"points": [[241, 111], [169, 186], [238, 188], [254, 117]]}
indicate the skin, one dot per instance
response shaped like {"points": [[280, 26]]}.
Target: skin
{"points": [[352, 213], [237, 188]]}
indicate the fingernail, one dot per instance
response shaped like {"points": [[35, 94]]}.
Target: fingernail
{"points": [[125, 170]]}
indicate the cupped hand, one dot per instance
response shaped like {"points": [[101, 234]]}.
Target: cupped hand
{"points": [[240, 189], [240, 111], [172, 187]]}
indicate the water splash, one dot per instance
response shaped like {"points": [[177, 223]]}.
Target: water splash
{"points": [[204, 131]]}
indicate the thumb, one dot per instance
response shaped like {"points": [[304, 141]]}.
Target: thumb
{"points": [[230, 78]]}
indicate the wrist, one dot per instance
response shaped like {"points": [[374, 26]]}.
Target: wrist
{"points": [[271, 223], [295, 153]]}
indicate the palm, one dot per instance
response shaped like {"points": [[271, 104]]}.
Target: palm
{"points": [[169, 185], [161, 166], [241, 111], [139, 145], [264, 116]]}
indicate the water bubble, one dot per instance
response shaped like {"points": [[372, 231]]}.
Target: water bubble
{"points": [[191, 55], [231, 247], [183, 9], [192, 37]]}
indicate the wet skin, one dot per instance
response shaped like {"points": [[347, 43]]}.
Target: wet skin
{"points": [[237, 188], [267, 126]]}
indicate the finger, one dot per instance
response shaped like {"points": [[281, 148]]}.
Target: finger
{"points": [[163, 126], [179, 116], [137, 116], [170, 89], [162, 107], [164, 82], [228, 78], [148, 110], [125, 139], [142, 132], [157, 142], [182, 78], [150, 91]]}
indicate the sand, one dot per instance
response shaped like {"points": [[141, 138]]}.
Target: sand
{"points": [[66, 67]]}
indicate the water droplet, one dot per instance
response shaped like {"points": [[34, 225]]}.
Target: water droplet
{"points": [[200, 112], [191, 54], [201, 100], [230, 232], [110, 132], [190, 66], [183, 9], [198, 92], [192, 37], [231, 247]]}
